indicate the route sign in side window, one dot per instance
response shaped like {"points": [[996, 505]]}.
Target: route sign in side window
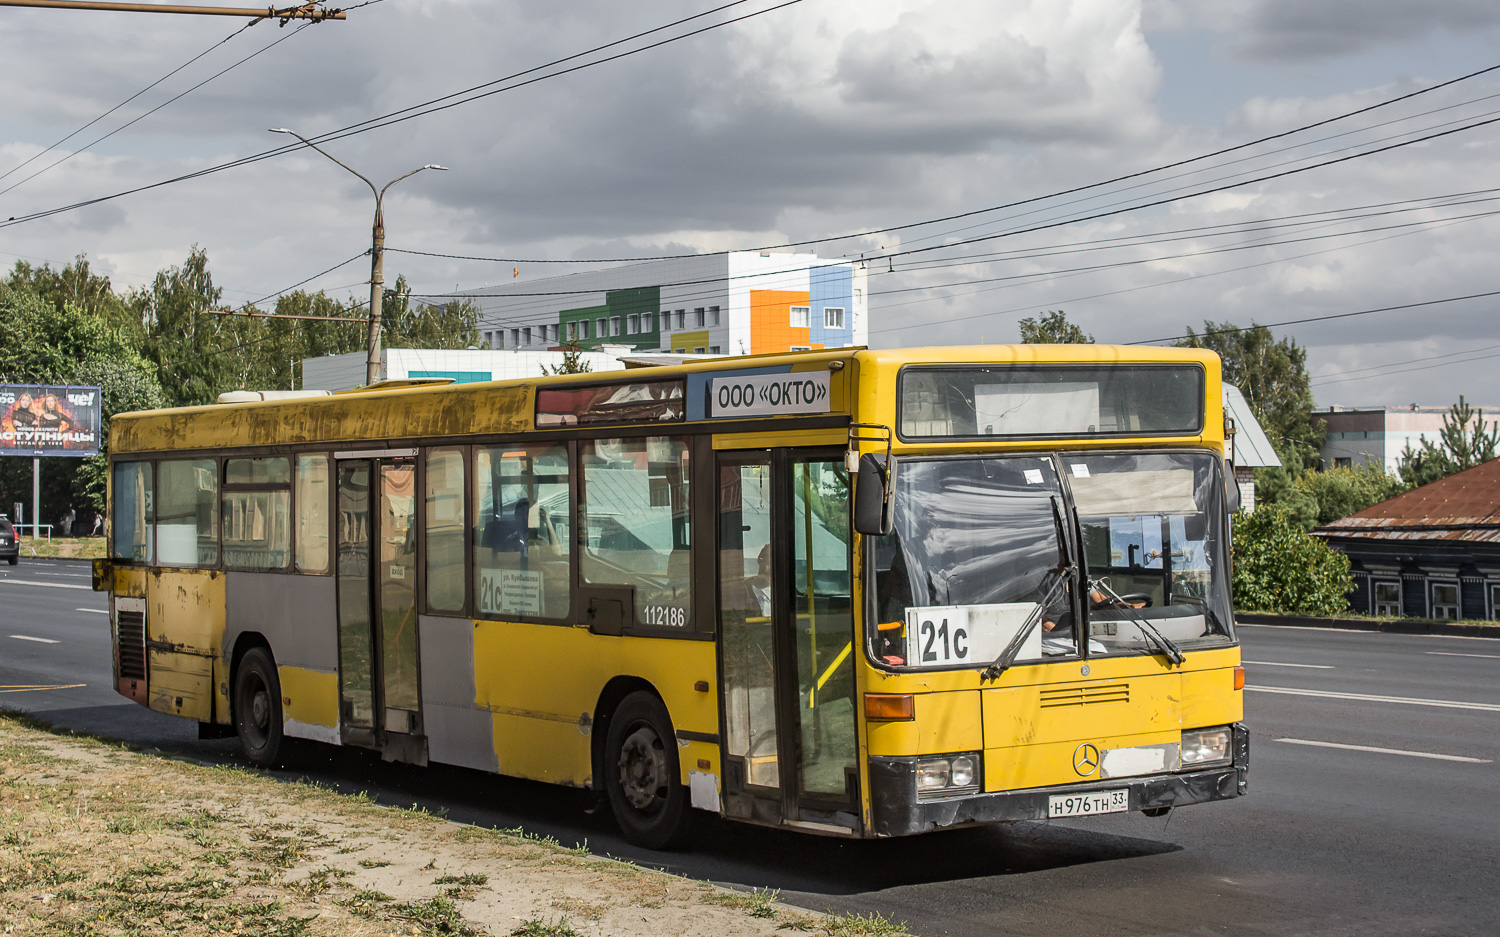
{"points": [[522, 518]]}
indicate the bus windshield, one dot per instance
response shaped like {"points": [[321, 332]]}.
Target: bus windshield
{"points": [[976, 545], [1153, 537]]}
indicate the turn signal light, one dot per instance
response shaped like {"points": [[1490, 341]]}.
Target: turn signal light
{"points": [[892, 707], [1239, 678]]}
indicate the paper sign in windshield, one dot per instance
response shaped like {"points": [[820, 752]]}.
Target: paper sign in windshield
{"points": [[954, 635], [769, 394]]}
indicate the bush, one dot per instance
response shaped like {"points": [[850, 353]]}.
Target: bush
{"points": [[1278, 567]]}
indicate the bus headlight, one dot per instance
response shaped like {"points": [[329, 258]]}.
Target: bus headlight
{"points": [[948, 774], [1202, 748]]}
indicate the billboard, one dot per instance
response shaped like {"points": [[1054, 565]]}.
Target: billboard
{"points": [[48, 420]]}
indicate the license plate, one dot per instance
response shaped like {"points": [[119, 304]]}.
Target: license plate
{"points": [[1086, 805]]}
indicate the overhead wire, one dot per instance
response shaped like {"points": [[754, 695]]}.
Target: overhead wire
{"points": [[172, 100], [429, 107]]}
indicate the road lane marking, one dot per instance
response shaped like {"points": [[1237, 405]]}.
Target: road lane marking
{"points": [[1272, 663], [1387, 751], [31, 688], [48, 585], [27, 637], [1457, 654], [96, 611], [1368, 698]]}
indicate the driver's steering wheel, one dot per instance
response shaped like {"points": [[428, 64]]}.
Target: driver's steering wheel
{"points": [[1130, 598]]}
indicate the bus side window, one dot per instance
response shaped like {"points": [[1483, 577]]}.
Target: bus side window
{"points": [[312, 514], [131, 527], [635, 516], [445, 527], [257, 509], [522, 513], [187, 518]]}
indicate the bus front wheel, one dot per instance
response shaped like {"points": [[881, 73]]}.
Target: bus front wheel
{"points": [[641, 774], [257, 707]]}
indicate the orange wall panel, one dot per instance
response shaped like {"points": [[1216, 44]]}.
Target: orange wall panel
{"points": [[771, 317]]}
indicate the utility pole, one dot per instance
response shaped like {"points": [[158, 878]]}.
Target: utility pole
{"points": [[304, 11], [377, 252]]}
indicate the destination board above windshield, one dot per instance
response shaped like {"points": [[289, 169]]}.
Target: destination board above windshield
{"points": [[1032, 401]]}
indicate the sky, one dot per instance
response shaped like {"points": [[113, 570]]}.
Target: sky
{"points": [[808, 122]]}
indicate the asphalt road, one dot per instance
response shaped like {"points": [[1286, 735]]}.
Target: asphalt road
{"points": [[1374, 803]]}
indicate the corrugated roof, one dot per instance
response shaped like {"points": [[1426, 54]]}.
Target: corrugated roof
{"points": [[1251, 446], [1464, 506]]}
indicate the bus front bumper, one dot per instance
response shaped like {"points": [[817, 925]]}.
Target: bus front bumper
{"points": [[898, 812]]}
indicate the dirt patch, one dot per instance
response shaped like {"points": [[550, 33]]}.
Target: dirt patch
{"points": [[97, 839]]}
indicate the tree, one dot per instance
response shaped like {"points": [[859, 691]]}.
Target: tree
{"points": [[185, 345], [1321, 497], [1279, 567], [1053, 328], [1459, 447], [572, 362], [1273, 377]]}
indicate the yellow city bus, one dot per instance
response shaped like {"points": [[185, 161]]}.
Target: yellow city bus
{"points": [[852, 592]]}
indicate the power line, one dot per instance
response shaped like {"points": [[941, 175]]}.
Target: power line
{"points": [[1337, 377], [393, 117], [91, 123], [1234, 330], [342, 263], [158, 107]]}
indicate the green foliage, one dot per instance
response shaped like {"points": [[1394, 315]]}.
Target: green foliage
{"points": [[1273, 377], [1459, 447], [1321, 497], [1053, 328], [1278, 567], [572, 362]]}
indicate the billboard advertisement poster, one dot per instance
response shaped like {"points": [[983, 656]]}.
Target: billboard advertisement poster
{"points": [[49, 420]]}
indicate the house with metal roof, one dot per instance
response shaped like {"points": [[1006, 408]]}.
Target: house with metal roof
{"points": [[1432, 552]]}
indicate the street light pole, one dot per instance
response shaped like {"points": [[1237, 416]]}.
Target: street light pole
{"points": [[377, 251]]}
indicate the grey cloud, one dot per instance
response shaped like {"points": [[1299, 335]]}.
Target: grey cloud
{"points": [[1301, 30]]}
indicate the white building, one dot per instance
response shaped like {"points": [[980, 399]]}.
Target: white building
{"points": [[735, 303]]}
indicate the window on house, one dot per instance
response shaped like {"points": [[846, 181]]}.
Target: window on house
{"points": [[1445, 600], [572, 331], [833, 317], [681, 319], [801, 317], [515, 338], [647, 322], [1494, 600], [526, 335], [698, 319], [859, 295], [713, 315], [1343, 462], [714, 350], [614, 325], [698, 350], [632, 324], [666, 321], [1388, 598], [603, 329], [800, 348]]}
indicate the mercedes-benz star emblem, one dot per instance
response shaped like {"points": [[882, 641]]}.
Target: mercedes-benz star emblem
{"points": [[1086, 759]]}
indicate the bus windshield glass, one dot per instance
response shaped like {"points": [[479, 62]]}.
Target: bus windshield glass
{"points": [[1155, 547], [972, 554]]}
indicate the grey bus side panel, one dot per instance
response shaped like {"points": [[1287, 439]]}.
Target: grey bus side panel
{"points": [[458, 731]]}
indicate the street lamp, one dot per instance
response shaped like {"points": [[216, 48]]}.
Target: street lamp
{"points": [[377, 251]]}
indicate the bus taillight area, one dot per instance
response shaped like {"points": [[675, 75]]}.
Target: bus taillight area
{"points": [[901, 807]]}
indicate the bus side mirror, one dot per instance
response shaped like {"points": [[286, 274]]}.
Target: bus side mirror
{"points": [[1232, 489], [874, 510]]}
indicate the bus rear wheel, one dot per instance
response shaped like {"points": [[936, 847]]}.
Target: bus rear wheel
{"points": [[641, 774], [257, 707]]}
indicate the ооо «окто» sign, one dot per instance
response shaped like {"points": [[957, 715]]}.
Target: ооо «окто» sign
{"points": [[769, 394]]}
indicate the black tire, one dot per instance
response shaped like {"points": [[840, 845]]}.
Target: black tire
{"points": [[257, 707], [15, 559], [641, 774]]}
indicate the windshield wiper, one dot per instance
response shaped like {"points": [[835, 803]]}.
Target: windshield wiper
{"points": [[1063, 570], [1172, 651], [1008, 656]]}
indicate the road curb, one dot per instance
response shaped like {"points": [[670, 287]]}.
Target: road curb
{"points": [[1382, 625]]}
